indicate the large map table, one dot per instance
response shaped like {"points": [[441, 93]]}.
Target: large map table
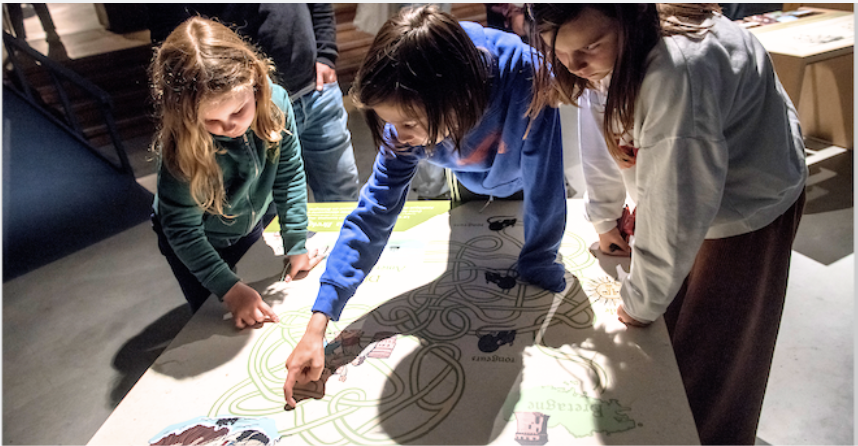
{"points": [[442, 344]]}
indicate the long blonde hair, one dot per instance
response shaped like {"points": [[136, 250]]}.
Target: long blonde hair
{"points": [[199, 61]]}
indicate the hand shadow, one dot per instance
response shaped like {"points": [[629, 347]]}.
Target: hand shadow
{"points": [[141, 351], [187, 355]]}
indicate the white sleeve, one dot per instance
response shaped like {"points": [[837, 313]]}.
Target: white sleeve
{"points": [[685, 180], [681, 170], [606, 192]]}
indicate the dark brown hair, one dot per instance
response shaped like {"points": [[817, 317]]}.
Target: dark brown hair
{"points": [[639, 27], [423, 61]]}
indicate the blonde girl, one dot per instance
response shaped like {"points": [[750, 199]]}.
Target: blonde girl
{"points": [[228, 156]]}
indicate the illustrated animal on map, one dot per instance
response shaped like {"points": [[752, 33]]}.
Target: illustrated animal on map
{"points": [[503, 282], [498, 223], [490, 342], [344, 349]]}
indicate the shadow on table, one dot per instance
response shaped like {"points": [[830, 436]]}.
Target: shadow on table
{"points": [[470, 352], [141, 351], [188, 336]]}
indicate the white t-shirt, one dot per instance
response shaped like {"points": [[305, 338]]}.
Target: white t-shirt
{"points": [[720, 154]]}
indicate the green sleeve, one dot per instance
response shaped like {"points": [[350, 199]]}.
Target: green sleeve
{"points": [[182, 223], [290, 187]]}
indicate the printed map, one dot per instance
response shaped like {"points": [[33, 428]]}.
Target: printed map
{"points": [[444, 344]]}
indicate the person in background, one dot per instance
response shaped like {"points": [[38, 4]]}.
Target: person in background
{"points": [[681, 110], [228, 149], [301, 40], [454, 94], [509, 17]]}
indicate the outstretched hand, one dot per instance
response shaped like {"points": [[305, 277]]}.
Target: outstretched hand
{"points": [[301, 264], [247, 307], [307, 361]]}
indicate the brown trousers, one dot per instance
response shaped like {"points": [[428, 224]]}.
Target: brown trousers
{"points": [[724, 323]]}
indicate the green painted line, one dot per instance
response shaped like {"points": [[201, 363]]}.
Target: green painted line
{"points": [[329, 217]]}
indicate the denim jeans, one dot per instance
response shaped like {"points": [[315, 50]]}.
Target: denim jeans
{"points": [[326, 144]]}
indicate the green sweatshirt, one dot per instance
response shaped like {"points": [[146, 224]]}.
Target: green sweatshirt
{"points": [[252, 179]]}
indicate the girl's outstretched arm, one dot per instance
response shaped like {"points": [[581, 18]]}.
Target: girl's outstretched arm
{"points": [[605, 189], [365, 231], [544, 203], [290, 186], [307, 360]]}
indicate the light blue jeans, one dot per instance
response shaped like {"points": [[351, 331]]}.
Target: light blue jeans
{"points": [[326, 144]]}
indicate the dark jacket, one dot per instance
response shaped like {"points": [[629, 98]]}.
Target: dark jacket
{"points": [[294, 35]]}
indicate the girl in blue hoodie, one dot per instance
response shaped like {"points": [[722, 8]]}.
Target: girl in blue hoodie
{"points": [[456, 95], [228, 150]]}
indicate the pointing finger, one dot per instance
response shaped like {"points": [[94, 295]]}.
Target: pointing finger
{"points": [[288, 387]]}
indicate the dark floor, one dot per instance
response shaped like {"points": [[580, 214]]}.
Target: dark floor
{"points": [[826, 231], [43, 195]]}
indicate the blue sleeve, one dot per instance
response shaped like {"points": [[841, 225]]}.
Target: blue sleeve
{"points": [[544, 203], [365, 231], [541, 159]]}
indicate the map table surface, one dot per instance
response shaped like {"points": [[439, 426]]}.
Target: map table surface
{"points": [[442, 344]]}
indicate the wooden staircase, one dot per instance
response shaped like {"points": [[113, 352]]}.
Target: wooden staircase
{"points": [[123, 75]]}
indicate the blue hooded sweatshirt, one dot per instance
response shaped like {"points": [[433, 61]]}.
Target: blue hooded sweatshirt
{"points": [[495, 159]]}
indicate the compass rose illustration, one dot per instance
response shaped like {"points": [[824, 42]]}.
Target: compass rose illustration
{"points": [[603, 291]]}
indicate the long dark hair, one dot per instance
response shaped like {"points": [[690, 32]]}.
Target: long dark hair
{"points": [[423, 61], [640, 26]]}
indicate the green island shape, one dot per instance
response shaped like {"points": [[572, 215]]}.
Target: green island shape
{"points": [[581, 415]]}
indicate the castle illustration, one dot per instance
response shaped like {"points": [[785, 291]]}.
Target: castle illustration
{"points": [[532, 428]]}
